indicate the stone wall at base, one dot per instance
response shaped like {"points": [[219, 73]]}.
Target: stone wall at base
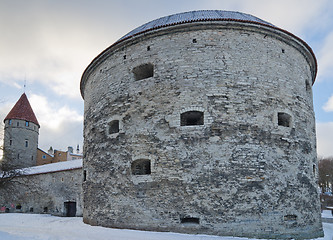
{"points": [[56, 193]]}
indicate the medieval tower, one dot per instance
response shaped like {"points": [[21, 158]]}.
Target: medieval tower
{"points": [[21, 135], [203, 122]]}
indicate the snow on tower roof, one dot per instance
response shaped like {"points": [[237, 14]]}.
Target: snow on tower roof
{"points": [[195, 16], [22, 110]]}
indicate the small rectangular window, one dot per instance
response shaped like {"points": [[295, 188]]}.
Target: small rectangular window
{"points": [[284, 119], [10, 142], [114, 126], [85, 175], [307, 85], [192, 118], [17, 124], [26, 143], [10, 122], [141, 167], [26, 123], [290, 217], [143, 71], [190, 220]]}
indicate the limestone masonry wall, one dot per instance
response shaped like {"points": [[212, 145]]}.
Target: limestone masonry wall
{"points": [[21, 142], [203, 128], [44, 193]]}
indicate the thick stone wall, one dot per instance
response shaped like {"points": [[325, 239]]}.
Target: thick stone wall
{"points": [[43, 193], [20, 143], [249, 169]]}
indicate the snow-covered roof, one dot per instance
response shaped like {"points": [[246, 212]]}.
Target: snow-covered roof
{"points": [[45, 152], [53, 167], [195, 16]]}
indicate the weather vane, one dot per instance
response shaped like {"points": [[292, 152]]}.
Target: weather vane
{"points": [[25, 82]]}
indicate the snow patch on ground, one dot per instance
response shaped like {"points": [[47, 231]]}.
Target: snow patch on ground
{"points": [[327, 214], [18, 226]]}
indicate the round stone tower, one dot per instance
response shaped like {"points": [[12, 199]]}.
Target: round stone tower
{"points": [[21, 135], [203, 122]]}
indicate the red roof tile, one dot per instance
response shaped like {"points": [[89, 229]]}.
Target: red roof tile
{"points": [[22, 111]]}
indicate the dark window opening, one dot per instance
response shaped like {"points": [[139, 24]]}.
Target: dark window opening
{"points": [[290, 217], [85, 175], [32, 158], [10, 142], [307, 85], [194, 40], [282, 50], [141, 194], [141, 167], [18, 206], [18, 156], [45, 209], [7, 210], [314, 169], [284, 119], [190, 220], [114, 126], [192, 118], [143, 71], [148, 48], [31, 209], [124, 57], [26, 143], [17, 124]]}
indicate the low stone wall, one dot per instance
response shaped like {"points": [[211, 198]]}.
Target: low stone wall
{"points": [[57, 193]]}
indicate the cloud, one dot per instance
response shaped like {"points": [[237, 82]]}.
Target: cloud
{"points": [[295, 16], [324, 139], [325, 57], [49, 44], [53, 42], [328, 107], [61, 126]]}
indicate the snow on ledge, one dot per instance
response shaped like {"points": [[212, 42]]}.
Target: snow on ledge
{"points": [[53, 167]]}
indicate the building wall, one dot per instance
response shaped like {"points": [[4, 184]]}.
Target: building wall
{"points": [[59, 156], [20, 143], [43, 157], [240, 173], [43, 193]]}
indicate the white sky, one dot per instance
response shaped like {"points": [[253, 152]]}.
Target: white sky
{"points": [[50, 43]]}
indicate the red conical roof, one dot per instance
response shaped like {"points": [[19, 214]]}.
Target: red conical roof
{"points": [[22, 111]]}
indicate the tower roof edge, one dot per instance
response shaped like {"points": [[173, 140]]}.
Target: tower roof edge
{"points": [[22, 110]]}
